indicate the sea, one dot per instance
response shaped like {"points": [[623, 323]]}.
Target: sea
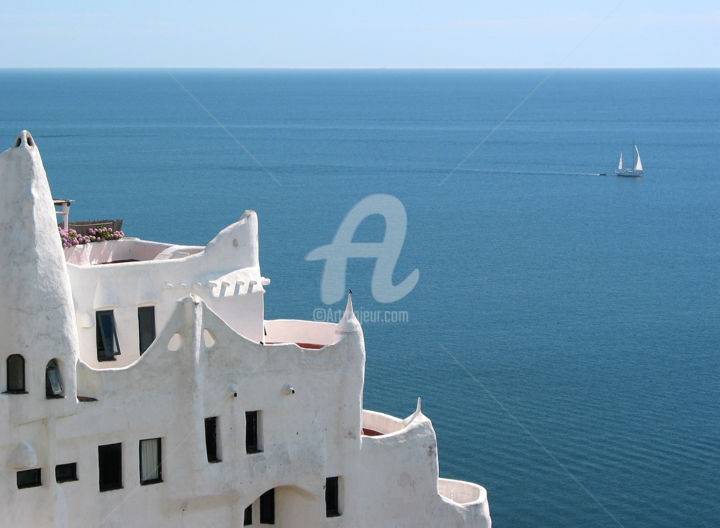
{"points": [[564, 330]]}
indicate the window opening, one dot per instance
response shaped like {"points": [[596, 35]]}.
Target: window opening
{"points": [[211, 439], [110, 466], [53, 381], [146, 327], [29, 478], [150, 461], [15, 374], [66, 472], [252, 432], [267, 507], [106, 336], [332, 502]]}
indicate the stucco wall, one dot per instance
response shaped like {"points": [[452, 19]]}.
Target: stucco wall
{"points": [[225, 274], [208, 360], [389, 480]]}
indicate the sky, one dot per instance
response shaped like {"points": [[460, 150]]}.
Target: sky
{"points": [[359, 34]]}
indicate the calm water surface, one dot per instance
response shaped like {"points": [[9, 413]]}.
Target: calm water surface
{"points": [[582, 309]]}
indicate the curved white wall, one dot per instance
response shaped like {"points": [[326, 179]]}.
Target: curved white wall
{"points": [[208, 360], [225, 274]]}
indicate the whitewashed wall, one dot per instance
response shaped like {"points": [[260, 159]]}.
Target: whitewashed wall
{"points": [[225, 274], [207, 360]]}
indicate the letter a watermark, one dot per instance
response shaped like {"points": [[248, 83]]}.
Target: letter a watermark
{"points": [[385, 253]]}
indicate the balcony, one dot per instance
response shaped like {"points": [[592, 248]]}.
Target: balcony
{"points": [[125, 250], [305, 334], [461, 492], [380, 424]]}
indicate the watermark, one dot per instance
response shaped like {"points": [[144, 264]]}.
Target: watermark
{"points": [[332, 315], [385, 253]]}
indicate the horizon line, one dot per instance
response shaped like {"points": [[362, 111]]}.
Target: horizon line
{"points": [[346, 68]]}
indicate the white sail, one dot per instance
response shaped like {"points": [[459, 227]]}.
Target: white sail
{"points": [[638, 163], [620, 164]]}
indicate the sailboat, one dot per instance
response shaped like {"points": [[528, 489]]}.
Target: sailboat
{"points": [[637, 168]]}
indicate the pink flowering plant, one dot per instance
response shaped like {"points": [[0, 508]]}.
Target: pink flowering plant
{"points": [[70, 237]]}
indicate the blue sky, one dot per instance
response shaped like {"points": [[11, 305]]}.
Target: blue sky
{"points": [[371, 33]]}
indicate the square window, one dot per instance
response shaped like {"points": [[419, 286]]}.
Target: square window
{"points": [[29, 478], [110, 467], [150, 461], [66, 472]]}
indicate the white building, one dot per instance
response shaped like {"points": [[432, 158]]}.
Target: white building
{"points": [[142, 386]]}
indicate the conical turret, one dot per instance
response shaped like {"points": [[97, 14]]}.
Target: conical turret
{"points": [[37, 319]]}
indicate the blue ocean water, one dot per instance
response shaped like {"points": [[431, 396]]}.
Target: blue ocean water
{"points": [[564, 331]]}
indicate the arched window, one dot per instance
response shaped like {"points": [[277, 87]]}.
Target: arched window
{"points": [[53, 380], [16, 374]]}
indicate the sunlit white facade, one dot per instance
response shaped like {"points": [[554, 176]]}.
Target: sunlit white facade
{"points": [[142, 386]]}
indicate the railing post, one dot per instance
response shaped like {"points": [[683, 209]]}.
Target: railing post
{"points": [[64, 211], [66, 214]]}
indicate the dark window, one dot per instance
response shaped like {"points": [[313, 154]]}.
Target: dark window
{"points": [[106, 336], [30, 478], [211, 439], [16, 374], [146, 326], [332, 503], [252, 423], [53, 380], [150, 461], [267, 507], [248, 516], [66, 472], [110, 466]]}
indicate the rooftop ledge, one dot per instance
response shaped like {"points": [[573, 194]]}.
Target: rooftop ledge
{"points": [[126, 250], [305, 334]]}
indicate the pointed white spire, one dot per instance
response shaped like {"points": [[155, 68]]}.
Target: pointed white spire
{"points": [[37, 318], [416, 413], [349, 323]]}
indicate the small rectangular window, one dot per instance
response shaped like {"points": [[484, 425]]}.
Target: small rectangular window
{"points": [[66, 472], [212, 446], [29, 478], [110, 466], [332, 497], [248, 516], [146, 326], [267, 507], [106, 336], [150, 461], [252, 432]]}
